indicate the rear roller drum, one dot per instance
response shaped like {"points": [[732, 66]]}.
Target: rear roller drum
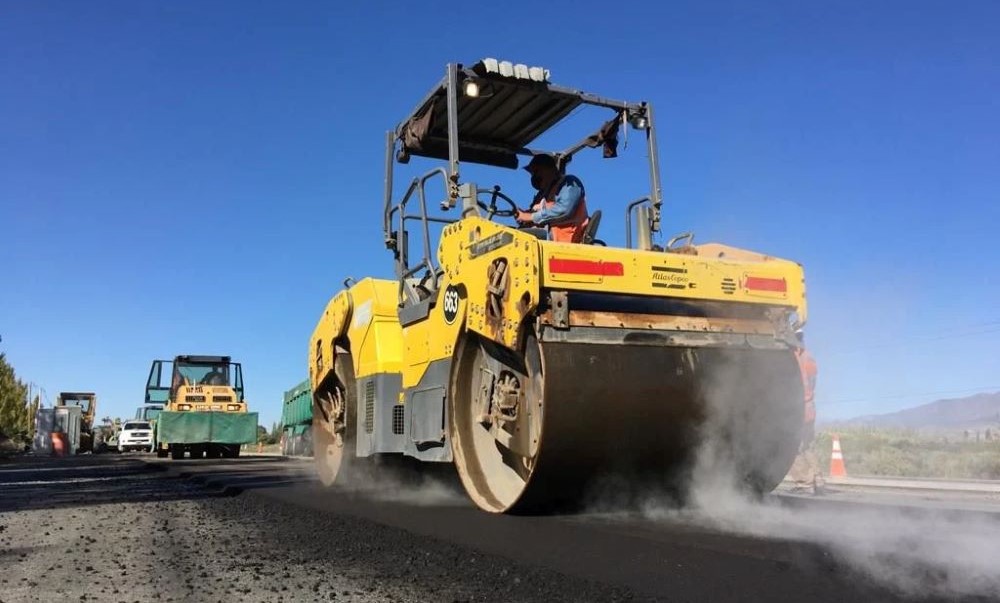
{"points": [[334, 422]]}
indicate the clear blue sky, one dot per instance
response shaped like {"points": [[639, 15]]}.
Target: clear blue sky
{"points": [[199, 177]]}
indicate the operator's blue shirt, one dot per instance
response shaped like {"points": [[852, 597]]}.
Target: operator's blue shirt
{"points": [[563, 205]]}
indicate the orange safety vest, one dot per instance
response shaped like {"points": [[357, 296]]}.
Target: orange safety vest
{"points": [[569, 230], [808, 368]]}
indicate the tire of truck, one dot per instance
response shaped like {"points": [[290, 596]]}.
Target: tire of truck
{"points": [[198, 451], [307, 442], [176, 452], [161, 453]]}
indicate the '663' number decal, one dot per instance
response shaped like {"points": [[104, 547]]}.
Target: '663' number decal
{"points": [[450, 304]]}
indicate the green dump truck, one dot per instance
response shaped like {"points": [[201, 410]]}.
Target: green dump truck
{"points": [[296, 421], [204, 410]]}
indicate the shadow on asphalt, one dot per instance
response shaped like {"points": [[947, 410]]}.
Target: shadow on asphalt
{"points": [[375, 477]]}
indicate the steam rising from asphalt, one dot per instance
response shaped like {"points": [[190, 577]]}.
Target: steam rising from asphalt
{"points": [[926, 552]]}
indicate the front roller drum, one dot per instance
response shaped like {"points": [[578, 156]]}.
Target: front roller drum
{"points": [[542, 427]]}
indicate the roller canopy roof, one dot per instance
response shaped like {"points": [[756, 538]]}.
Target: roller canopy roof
{"points": [[509, 107]]}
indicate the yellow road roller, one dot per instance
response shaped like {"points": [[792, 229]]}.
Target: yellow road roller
{"points": [[538, 364]]}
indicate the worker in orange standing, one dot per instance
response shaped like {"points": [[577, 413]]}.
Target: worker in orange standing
{"points": [[560, 204], [805, 470]]}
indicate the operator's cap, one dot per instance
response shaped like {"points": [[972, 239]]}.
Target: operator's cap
{"points": [[541, 159]]}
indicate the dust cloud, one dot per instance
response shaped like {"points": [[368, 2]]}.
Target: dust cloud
{"points": [[931, 553], [403, 480], [917, 552]]}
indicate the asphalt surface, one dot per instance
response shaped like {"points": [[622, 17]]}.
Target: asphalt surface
{"points": [[260, 529]]}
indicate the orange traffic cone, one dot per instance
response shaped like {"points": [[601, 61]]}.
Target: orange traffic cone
{"points": [[837, 468]]}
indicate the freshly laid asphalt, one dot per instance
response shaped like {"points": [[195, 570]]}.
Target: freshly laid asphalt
{"points": [[135, 528]]}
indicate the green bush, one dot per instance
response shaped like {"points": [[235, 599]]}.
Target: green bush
{"points": [[908, 453]]}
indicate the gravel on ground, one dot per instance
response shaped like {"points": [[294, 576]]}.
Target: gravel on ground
{"points": [[152, 537]]}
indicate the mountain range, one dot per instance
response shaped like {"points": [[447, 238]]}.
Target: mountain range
{"points": [[970, 412]]}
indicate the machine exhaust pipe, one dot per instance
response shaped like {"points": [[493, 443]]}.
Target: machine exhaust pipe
{"points": [[644, 227]]}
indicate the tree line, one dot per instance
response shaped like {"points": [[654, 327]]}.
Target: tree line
{"points": [[17, 413], [269, 437]]}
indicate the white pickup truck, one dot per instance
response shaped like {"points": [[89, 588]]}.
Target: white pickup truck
{"points": [[136, 435]]}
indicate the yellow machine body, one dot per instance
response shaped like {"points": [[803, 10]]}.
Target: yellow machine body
{"points": [[539, 367], [204, 410], [204, 398], [366, 314]]}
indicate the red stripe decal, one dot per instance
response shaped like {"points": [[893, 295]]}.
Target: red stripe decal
{"points": [[760, 283], [566, 266]]}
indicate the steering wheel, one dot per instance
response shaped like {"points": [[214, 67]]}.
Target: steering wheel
{"points": [[491, 209]]}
